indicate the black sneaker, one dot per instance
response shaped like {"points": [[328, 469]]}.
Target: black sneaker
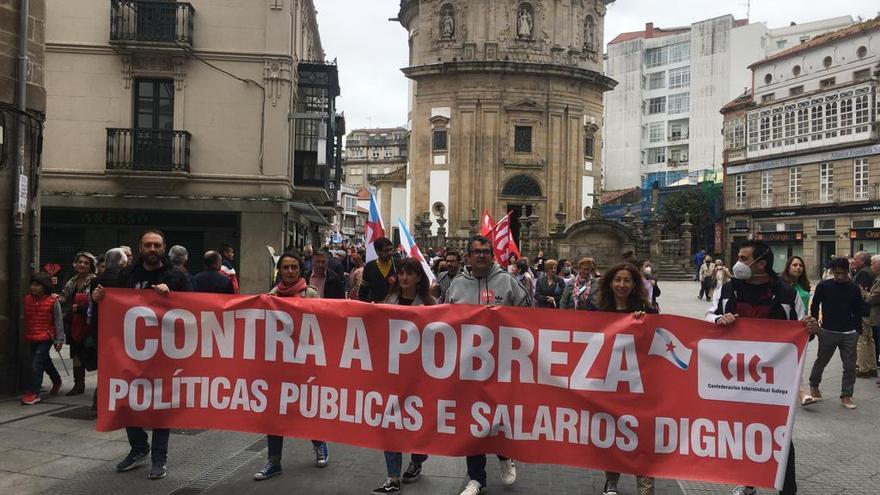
{"points": [[610, 488], [322, 455], [132, 460], [413, 473], [158, 471], [390, 486]]}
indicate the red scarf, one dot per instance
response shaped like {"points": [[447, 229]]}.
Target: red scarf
{"points": [[292, 290]]}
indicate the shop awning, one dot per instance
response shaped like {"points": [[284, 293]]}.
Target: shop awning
{"points": [[309, 212]]}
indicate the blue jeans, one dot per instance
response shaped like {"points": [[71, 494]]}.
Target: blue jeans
{"points": [[394, 462], [41, 363], [138, 440], [276, 444], [476, 467]]}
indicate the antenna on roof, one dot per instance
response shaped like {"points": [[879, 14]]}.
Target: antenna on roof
{"points": [[748, 6]]}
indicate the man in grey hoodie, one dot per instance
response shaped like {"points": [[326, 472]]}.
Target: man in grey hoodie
{"points": [[490, 285]]}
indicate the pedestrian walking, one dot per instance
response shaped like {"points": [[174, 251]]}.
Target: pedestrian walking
{"points": [[757, 292], [622, 290], [228, 269], [698, 263], [523, 274], [212, 279], [489, 285], [866, 351], [179, 258], [577, 294], [444, 280], [355, 276], [150, 271], [873, 300], [549, 289], [43, 329], [842, 306], [291, 284], [722, 273], [707, 278], [329, 283], [379, 274], [650, 283], [115, 261], [74, 301], [795, 275], [411, 288]]}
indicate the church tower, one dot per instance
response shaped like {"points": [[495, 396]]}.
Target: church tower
{"points": [[506, 108]]}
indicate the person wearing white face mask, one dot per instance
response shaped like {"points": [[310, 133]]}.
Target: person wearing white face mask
{"points": [[758, 292]]}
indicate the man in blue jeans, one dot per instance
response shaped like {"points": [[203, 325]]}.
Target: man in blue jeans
{"points": [[152, 270], [489, 285]]}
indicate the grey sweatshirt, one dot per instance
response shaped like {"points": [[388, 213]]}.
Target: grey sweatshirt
{"points": [[498, 288]]}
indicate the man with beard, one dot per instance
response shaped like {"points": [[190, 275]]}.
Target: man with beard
{"points": [[151, 270], [453, 268]]}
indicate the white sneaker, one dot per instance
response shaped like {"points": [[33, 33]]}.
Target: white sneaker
{"points": [[744, 490], [508, 471], [474, 488]]}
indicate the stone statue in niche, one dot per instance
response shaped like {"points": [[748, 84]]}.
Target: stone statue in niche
{"points": [[525, 22], [590, 34], [447, 23]]}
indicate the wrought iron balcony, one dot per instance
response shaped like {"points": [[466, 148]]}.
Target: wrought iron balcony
{"points": [[148, 150], [830, 197], [151, 22]]}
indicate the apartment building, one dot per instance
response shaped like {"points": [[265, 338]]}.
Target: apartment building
{"points": [[213, 121], [372, 153], [802, 150]]}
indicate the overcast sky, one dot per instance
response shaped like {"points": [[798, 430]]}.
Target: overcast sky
{"points": [[371, 49]]}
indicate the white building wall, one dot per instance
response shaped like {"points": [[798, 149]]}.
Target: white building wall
{"points": [[398, 206], [720, 53]]}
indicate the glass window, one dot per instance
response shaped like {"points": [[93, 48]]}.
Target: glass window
{"points": [[768, 97], [790, 129], [797, 90], [656, 80], [589, 144], [657, 105], [816, 124], [656, 155], [862, 113], [740, 190], [655, 57], [522, 139], [846, 115], [657, 132], [803, 124], [860, 178], [765, 129], [680, 78], [776, 128], [679, 52], [439, 142], [679, 103], [767, 188], [826, 182], [826, 83], [825, 224], [861, 75], [794, 185], [739, 135]]}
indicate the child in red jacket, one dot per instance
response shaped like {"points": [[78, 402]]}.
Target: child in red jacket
{"points": [[44, 327]]}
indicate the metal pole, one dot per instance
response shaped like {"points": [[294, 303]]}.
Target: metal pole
{"points": [[16, 235]]}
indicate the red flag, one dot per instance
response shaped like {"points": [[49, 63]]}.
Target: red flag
{"points": [[487, 225], [501, 241]]}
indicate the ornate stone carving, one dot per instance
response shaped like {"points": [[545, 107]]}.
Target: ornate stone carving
{"points": [[447, 22], [525, 21], [179, 73], [126, 71], [277, 73]]}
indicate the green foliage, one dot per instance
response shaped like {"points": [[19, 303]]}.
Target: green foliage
{"points": [[693, 201]]}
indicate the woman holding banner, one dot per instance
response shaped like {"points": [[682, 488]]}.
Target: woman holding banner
{"points": [[410, 288], [622, 290], [290, 284]]}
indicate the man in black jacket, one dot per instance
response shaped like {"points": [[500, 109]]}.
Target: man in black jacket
{"points": [[756, 291], [328, 282], [842, 309], [151, 270], [212, 279], [866, 357], [379, 274]]}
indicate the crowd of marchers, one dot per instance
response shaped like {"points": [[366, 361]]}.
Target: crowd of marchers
{"points": [[842, 312]]}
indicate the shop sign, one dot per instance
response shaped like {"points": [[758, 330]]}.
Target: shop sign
{"points": [[790, 236], [864, 234]]}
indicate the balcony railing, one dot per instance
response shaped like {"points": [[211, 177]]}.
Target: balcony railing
{"points": [[151, 21], [148, 150], [805, 198]]}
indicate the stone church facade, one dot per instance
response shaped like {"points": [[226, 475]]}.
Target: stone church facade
{"points": [[505, 110]]}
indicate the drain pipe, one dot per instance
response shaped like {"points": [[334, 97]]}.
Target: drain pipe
{"points": [[16, 234]]}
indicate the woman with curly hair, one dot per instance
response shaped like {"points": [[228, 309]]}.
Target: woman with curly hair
{"points": [[622, 290]]}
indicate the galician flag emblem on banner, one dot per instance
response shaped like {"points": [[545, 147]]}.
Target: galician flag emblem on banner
{"points": [[667, 345], [412, 250]]}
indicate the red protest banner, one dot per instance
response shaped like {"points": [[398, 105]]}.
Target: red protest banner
{"points": [[663, 396]]}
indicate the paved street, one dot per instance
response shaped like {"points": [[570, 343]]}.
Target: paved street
{"points": [[52, 448]]}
